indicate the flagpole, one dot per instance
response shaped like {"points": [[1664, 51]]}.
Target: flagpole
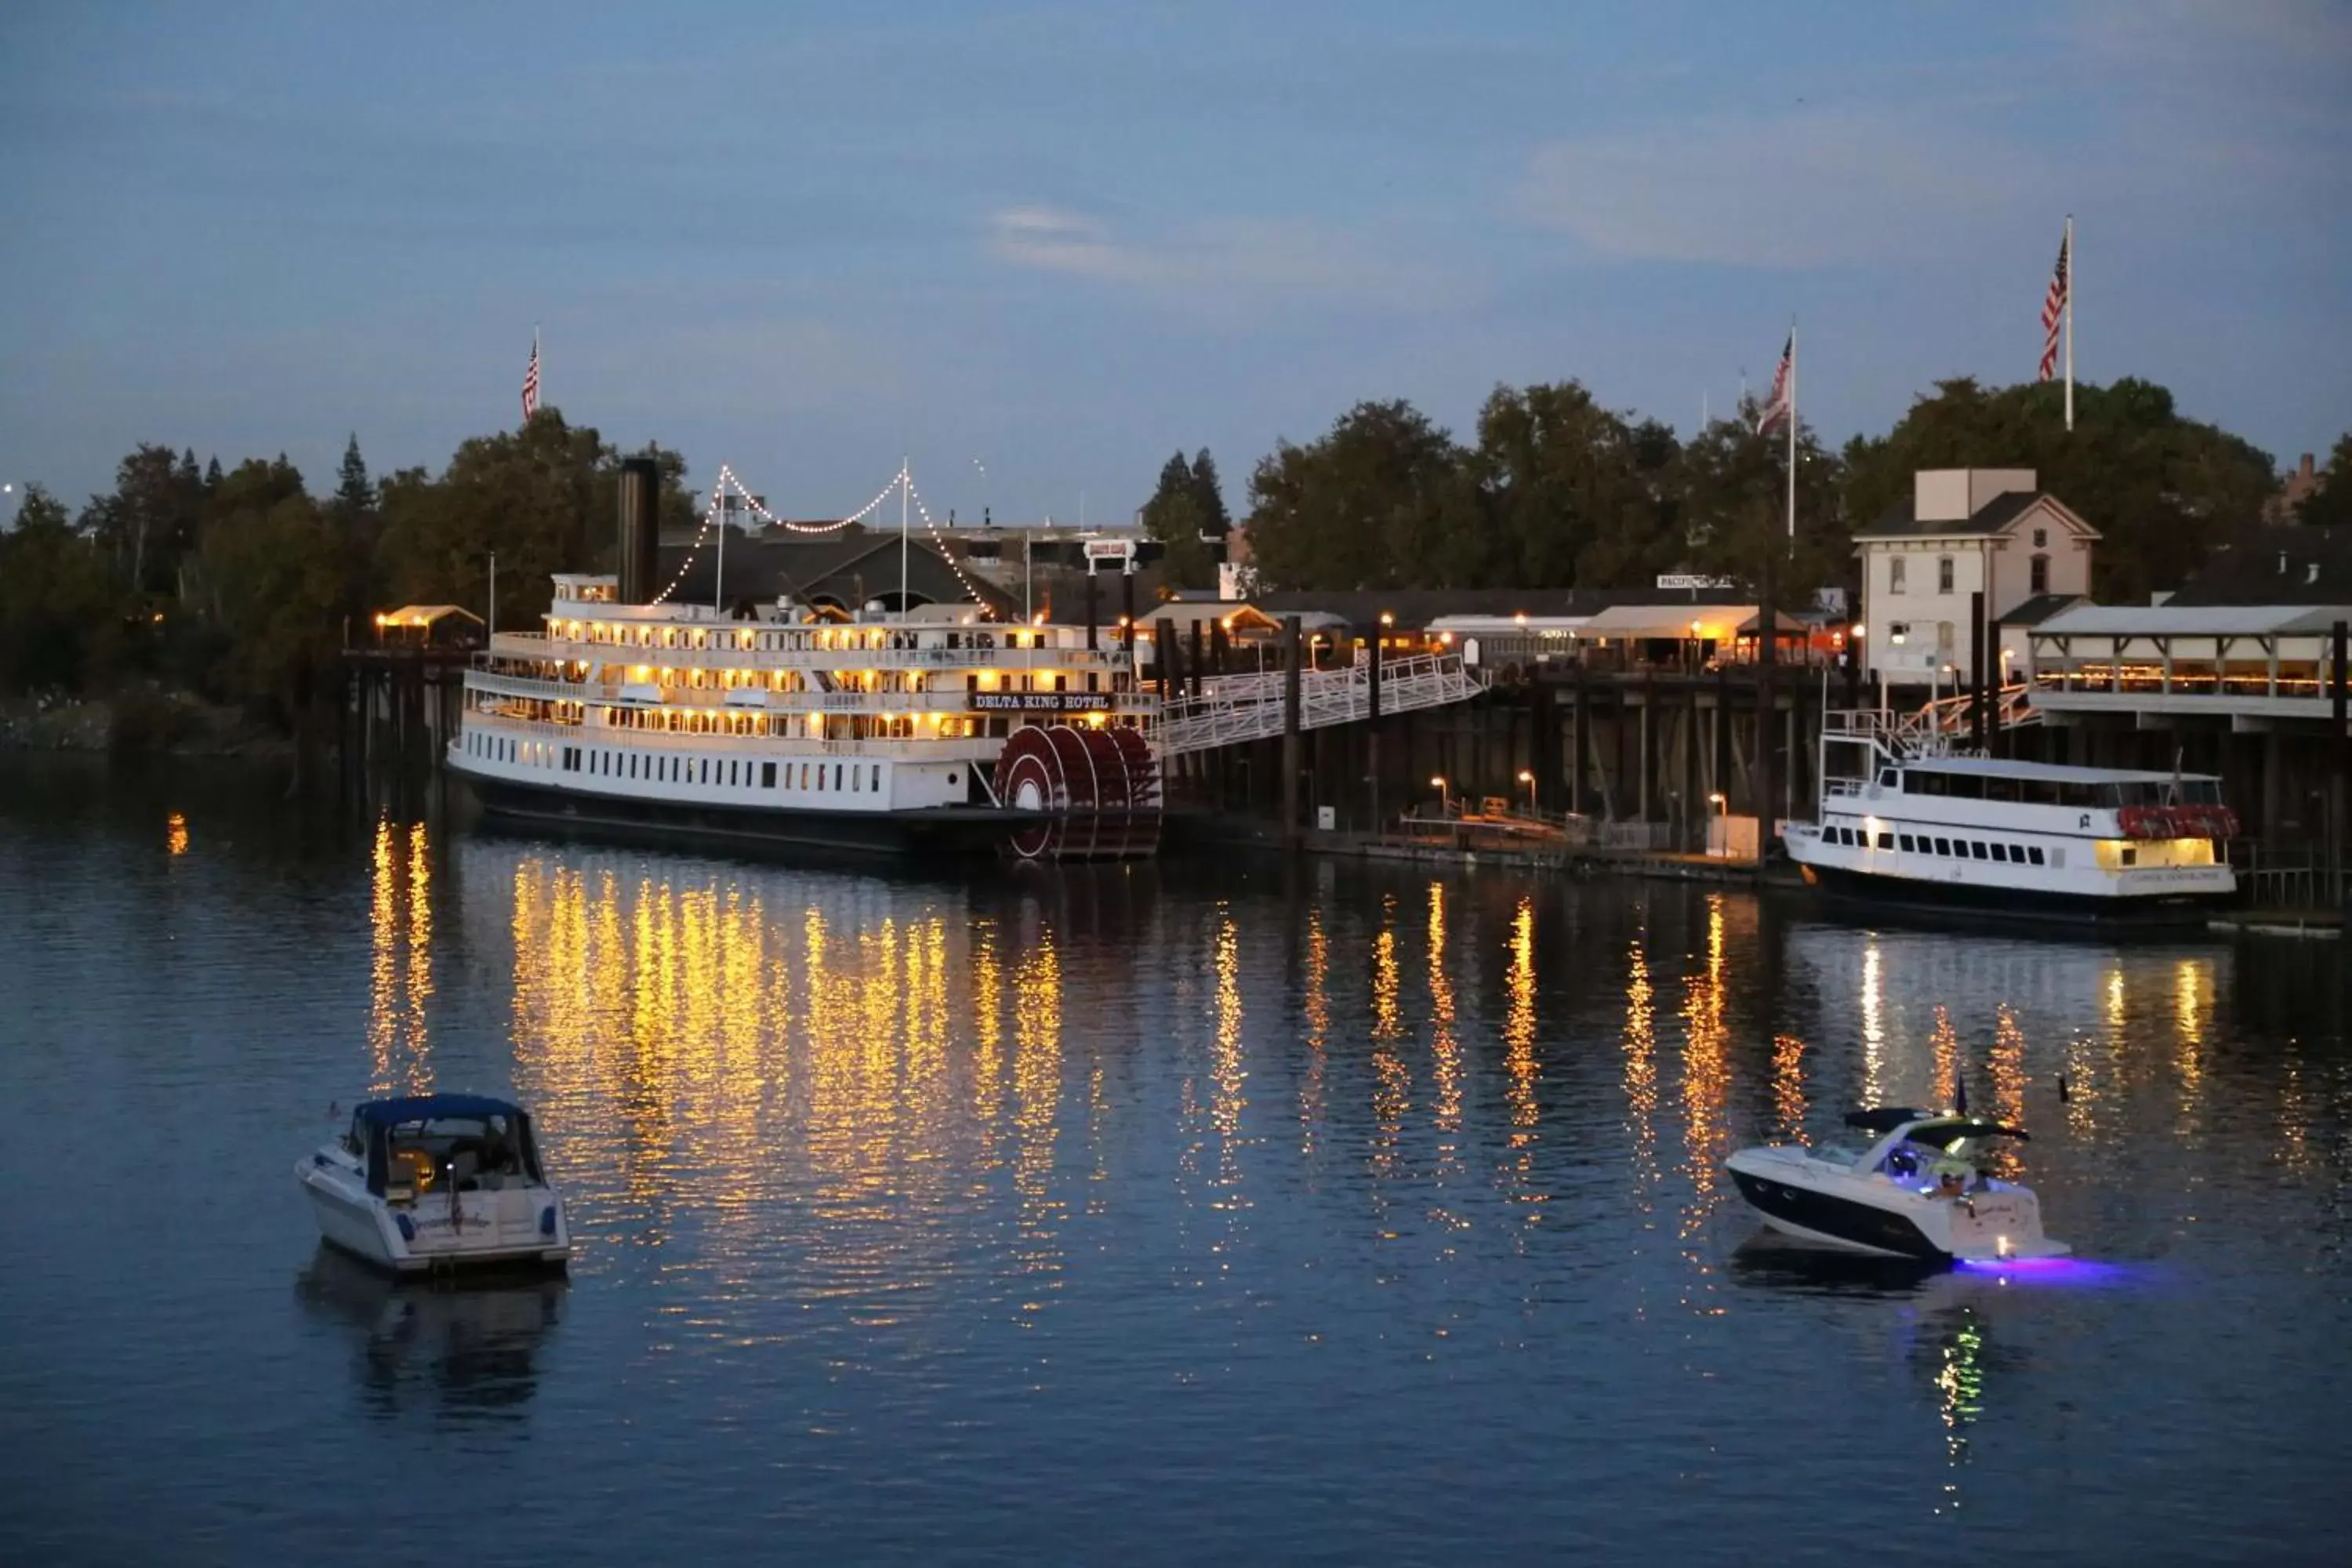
{"points": [[905, 484], [2069, 320], [1792, 433]]}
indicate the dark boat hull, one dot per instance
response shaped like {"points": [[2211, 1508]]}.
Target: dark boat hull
{"points": [[944, 830], [2186, 912], [1845, 1221]]}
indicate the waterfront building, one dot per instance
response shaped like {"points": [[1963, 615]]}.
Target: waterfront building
{"points": [[1963, 532]]}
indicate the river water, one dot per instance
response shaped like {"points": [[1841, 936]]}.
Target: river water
{"points": [[1178, 1213]]}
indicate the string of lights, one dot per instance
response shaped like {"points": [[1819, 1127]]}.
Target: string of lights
{"points": [[945, 553], [727, 484]]}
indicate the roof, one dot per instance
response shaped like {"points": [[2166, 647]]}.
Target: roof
{"points": [[427, 615], [424, 1107], [2288, 563], [849, 568], [1997, 514], [2176, 619], [2048, 773], [1415, 609], [2040, 608]]}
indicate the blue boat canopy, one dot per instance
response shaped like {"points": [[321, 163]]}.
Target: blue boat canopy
{"points": [[426, 1107]]}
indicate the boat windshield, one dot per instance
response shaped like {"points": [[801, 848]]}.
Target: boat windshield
{"points": [[470, 1152]]}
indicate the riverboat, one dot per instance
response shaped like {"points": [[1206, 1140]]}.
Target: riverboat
{"points": [[933, 729], [430, 1182], [1906, 821]]}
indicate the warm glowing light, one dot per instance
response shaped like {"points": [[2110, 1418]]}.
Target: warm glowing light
{"points": [[1388, 618], [175, 833], [1860, 631], [1437, 781]]}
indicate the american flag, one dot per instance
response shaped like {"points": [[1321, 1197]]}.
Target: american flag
{"points": [[2054, 308], [1775, 407], [531, 385]]}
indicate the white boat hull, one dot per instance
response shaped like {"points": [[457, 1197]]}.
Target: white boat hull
{"points": [[521, 1225], [1828, 1204]]}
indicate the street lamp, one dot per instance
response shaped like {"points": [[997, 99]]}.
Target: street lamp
{"points": [[1528, 777], [1444, 797]]}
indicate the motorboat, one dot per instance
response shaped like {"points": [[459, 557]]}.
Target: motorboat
{"points": [[1915, 1191], [430, 1183]]}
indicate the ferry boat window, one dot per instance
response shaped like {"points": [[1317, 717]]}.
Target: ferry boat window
{"points": [[1889, 778], [767, 775], [1943, 846], [1886, 841], [1977, 849], [2000, 852], [1934, 783], [2127, 856], [2033, 854]]}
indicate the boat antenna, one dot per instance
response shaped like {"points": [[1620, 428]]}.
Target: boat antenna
{"points": [[1959, 1092]]}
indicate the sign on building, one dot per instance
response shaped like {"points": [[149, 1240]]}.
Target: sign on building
{"points": [[1678, 580]]}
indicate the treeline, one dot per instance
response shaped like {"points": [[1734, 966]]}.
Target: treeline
{"points": [[241, 586], [1558, 491]]}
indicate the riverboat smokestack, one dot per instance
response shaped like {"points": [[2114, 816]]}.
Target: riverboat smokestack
{"points": [[640, 529]]}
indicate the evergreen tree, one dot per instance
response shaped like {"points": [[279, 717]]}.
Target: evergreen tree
{"points": [[212, 475], [356, 492], [1207, 494]]}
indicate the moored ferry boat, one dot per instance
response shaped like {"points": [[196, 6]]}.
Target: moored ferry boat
{"points": [[934, 728], [1906, 822]]}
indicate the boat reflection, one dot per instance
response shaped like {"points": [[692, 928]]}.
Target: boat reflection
{"points": [[467, 1353]]}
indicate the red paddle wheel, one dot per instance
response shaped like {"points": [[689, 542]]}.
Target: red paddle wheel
{"points": [[1099, 788]]}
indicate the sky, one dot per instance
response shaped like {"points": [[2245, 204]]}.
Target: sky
{"points": [[1033, 248]]}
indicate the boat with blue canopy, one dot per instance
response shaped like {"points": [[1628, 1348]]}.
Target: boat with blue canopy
{"points": [[426, 1183]]}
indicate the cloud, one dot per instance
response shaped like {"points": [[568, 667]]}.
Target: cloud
{"points": [[1800, 189], [1225, 264]]}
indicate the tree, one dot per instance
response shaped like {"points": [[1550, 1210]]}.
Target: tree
{"points": [[1579, 495], [151, 520], [1173, 516], [275, 589], [58, 611], [1208, 494], [355, 493], [1734, 485], [2161, 489], [2332, 501], [1383, 500]]}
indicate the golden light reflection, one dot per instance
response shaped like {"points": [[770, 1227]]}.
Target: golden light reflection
{"points": [[2193, 1005], [1226, 1074], [1391, 1083], [1641, 1077], [1874, 1025], [400, 960], [2007, 1088], [1706, 1073], [1946, 1042], [175, 833], [1788, 1085], [1038, 1099], [1444, 1047], [1519, 1024], [1318, 1010]]}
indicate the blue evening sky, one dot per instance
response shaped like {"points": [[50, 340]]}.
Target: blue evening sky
{"points": [[1067, 238]]}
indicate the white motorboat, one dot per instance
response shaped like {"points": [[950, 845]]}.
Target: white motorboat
{"points": [[436, 1182], [1914, 1192]]}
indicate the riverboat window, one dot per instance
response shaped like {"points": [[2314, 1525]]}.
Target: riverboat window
{"points": [[2033, 854], [1944, 574], [1978, 848], [767, 775], [804, 784], [1943, 846], [836, 776], [2000, 852], [877, 784], [857, 781], [1886, 841]]}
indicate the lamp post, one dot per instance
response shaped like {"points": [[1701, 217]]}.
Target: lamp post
{"points": [[1445, 797], [1528, 777]]}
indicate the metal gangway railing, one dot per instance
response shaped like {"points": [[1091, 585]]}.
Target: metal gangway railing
{"points": [[1235, 708], [1933, 728]]}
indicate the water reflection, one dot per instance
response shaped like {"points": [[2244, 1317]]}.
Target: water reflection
{"points": [[400, 972], [175, 835], [467, 1353]]}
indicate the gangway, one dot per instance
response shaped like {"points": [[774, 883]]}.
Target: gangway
{"points": [[1934, 728], [1235, 708]]}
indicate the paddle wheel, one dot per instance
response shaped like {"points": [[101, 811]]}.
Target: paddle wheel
{"points": [[1100, 787]]}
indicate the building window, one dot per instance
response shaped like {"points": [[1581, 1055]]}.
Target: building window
{"points": [[1895, 573], [2040, 568], [1944, 574], [1944, 639], [2040, 539]]}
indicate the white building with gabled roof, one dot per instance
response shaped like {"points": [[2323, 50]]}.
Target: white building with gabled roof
{"points": [[1966, 531]]}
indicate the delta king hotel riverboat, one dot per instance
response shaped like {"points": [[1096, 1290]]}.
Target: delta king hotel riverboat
{"points": [[934, 728]]}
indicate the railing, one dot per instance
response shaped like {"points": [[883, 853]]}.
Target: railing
{"points": [[909, 749], [941, 700], [1252, 708], [717, 656]]}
